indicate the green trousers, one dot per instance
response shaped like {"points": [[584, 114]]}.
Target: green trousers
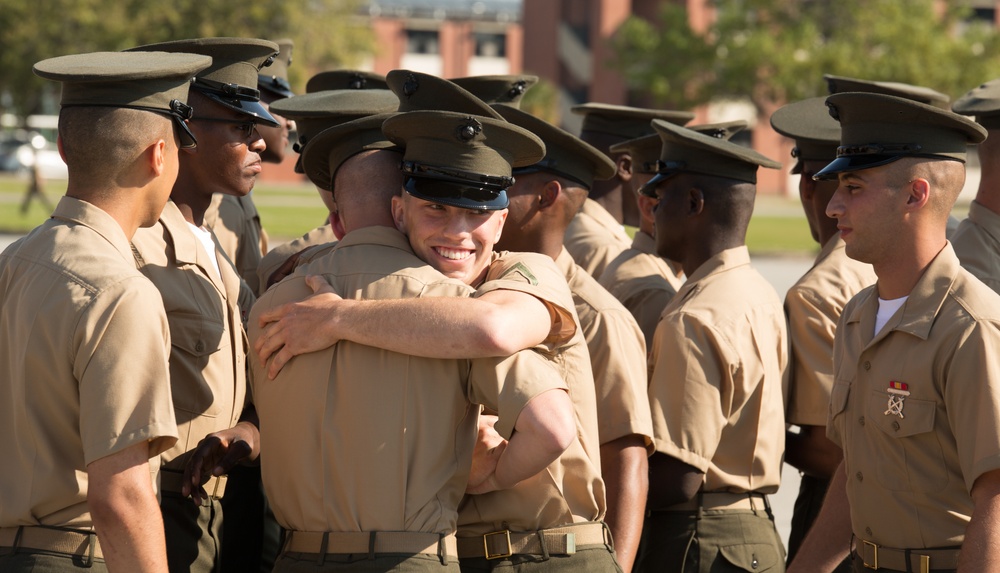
{"points": [[193, 534], [587, 559], [35, 561], [711, 541]]}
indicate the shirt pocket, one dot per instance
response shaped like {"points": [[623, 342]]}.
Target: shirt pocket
{"points": [[908, 453], [194, 339]]}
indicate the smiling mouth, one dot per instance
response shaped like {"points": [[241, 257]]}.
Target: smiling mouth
{"points": [[453, 254]]}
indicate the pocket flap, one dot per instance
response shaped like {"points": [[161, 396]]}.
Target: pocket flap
{"points": [[751, 557]]}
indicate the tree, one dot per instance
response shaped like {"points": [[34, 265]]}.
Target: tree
{"points": [[776, 51], [327, 34]]}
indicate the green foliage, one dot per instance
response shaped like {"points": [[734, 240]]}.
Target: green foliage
{"points": [[775, 51], [326, 34]]}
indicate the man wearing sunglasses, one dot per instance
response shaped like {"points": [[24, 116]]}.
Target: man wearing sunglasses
{"points": [[203, 295]]}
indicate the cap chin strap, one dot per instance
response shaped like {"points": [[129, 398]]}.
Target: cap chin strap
{"points": [[234, 91]]}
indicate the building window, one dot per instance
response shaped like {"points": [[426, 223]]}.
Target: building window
{"points": [[491, 45], [422, 42]]}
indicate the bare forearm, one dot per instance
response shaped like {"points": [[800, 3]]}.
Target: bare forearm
{"points": [[126, 514], [625, 469], [543, 431], [811, 452], [981, 549], [829, 540], [439, 327]]}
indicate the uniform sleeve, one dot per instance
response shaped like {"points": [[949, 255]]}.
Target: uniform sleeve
{"points": [[537, 275], [690, 388], [618, 356], [506, 385], [972, 400], [122, 346], [812, 322]]}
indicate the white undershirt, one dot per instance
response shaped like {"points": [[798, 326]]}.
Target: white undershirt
{"points": [[887, 308], [205, 238]]}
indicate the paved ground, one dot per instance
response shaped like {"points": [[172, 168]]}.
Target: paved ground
{"points": [[782, 272]]}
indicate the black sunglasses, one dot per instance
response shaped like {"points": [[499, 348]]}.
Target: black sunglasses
{"points": [[246, 126]]}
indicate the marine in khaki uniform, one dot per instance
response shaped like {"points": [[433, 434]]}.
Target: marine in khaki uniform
{"points": [[433, 433], [977, 239], [925, 95], [642, 280], [716, 368], [557, 512], [234, 218], [200, 287], [915, 404], [813, 306], [543, 200], [84, 341], [596, 237], [313, 113]]}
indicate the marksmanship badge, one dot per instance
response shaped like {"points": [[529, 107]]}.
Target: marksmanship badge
{"points": [[898, 391]]}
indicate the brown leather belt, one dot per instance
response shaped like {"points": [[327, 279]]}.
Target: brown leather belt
{"points": [[722, 500], [876, 557], [78, 542], [370, 542], [172, 481], [554, 541]]}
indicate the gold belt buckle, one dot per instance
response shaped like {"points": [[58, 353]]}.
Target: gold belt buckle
{"points": [[486, 545], [864, 559]]}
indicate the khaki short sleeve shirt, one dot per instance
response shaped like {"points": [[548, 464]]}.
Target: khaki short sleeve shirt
{"points": [[617, 356], [279, 254], [916, 407], [716, 369], [364, 439], [83, 363], [594, 238], [570, 489], [977, 244], [236, 225], [813, 306], [208, 344], [643, 282]]}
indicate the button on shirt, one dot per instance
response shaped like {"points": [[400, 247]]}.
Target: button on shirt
{"points": [[914, 457]]}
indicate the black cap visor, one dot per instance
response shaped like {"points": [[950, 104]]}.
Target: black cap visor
{"points": [[275, 85], [237, 98], [664, 171], [854, 163], [455, 193]]}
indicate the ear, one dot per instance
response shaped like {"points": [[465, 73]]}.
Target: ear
{"points": [[918, 194], [696, 201], [549, 194], [646, 206], [624, 165], [503, 219], [397, 213], [337, 224], [157, 156], [59, 145]]}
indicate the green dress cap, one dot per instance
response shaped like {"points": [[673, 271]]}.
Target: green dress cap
{"points": [[423, 92], [318, 111], [877, 129], [498, 89], [151, 81], [566, 155], [687, 151], [330, 148], [231, 80], [982, 102], [808, 122], [346, 80], [460, 159], [274, 79], [840, 84], [645, 150], [625, 122]]}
